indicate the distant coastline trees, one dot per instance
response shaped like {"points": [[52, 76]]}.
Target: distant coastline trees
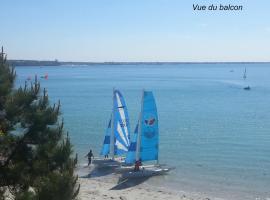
{"points": [[35, 154], [34, 63]]}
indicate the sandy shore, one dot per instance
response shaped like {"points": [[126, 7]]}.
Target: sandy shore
{"points": [[108, 186]]}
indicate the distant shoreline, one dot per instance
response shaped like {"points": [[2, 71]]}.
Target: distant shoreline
{"points": [[18, 63]]}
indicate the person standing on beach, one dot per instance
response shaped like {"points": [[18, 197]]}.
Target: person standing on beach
{"points": [[90, 155]]}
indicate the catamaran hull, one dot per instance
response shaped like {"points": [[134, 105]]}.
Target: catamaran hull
{"points": [[107, 163], [145, 173], [129, 168]]}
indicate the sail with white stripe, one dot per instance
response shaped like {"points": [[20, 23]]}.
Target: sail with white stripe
{"points": [[121, 128]]}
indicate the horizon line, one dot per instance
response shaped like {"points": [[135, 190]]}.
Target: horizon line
{"points": [[132, 62]]}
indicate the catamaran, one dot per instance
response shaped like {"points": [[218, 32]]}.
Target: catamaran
{"points": [[245, 77], [116, 140], [144, 145]]}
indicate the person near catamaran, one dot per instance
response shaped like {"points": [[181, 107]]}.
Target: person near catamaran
{"points": [[138, 163], [90, 155]]}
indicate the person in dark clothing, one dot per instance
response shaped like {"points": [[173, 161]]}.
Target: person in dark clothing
{"points": [[138, 163], [90, 155]]}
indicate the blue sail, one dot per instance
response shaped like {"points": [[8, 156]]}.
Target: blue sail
{"points": [[149, 137], [144, 143], [131, 155], [106, 143], [121, 128]]}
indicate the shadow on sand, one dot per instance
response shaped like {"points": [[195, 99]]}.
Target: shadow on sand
{"points": [[93, 172], [128, 183]]}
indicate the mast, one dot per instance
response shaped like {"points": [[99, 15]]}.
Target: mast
{"points": [[158, 155], [158, 137], [139, 130], [245, 74], [112, 129]]}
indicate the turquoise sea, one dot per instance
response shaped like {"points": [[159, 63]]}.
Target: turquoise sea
{"points": [[215, 134]]}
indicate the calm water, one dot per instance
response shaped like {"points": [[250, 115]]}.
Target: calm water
{"points": [[216, 134]]}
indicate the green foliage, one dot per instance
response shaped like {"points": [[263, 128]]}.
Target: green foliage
{"points": [[25, 195], [36, 157], [7, 77]]}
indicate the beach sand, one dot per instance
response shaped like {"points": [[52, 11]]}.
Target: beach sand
{"points": [[107, 186]]}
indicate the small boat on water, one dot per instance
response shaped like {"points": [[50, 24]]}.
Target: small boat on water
{"points": [[46, 76], [116, 139], [246, 88], [144, 145], [245, 77]]}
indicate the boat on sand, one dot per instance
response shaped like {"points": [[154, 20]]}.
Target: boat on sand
{"points": [[144, 145], [116, 139]]}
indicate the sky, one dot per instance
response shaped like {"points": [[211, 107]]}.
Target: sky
{"points": [[134, 30]]}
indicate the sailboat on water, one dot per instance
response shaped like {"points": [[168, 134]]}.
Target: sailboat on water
{"points": [[144, 145], [245, 77], [117, 135]]}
